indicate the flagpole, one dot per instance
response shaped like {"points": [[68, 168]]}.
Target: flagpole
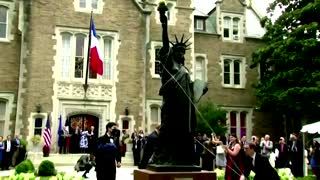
{"points": [[85, 86]]}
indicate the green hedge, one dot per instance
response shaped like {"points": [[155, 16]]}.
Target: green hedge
{"points": [[46, 168], [25, 166]]}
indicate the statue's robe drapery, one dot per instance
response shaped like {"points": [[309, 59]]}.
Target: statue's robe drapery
{"points": [[178, 119]]}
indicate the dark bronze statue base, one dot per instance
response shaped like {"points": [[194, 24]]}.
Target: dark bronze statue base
{"points": [[173, 168]]}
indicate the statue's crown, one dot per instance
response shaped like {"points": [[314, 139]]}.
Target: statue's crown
{"points": [[180, 44]]}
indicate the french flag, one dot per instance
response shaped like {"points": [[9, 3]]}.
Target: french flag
{"points": [[96, 62]]}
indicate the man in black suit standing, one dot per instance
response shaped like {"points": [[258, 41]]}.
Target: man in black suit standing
{"points": [[259, 164], [107, 154], [7, 153], [149, 148], [296, 152]]}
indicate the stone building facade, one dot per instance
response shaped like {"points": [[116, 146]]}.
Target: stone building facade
{"points": [[45, 45]]}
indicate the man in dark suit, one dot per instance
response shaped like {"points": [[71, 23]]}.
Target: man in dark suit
{"points": [[283, 158], [7, 153], [259, 164], [107, 154], [296, 152], [149, 148]]}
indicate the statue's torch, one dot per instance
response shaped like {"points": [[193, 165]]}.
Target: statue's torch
{"points": [[162, 8]]}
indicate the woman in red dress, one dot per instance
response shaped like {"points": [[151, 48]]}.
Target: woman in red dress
{"points": [[235, 167]]}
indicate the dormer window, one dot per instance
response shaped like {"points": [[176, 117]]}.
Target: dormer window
{"points": [[200, 24]]}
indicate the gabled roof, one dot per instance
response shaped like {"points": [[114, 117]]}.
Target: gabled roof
{"points": [[206, 7], [203, 7]]}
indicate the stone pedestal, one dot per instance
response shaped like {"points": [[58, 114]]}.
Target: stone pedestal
{"points": [[152, 175]]}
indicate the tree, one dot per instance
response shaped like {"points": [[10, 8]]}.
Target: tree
{"points": [[211, 119], [290, 62]]}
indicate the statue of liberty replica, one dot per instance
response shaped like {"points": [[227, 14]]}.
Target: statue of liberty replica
{"points": [[178, 119]]}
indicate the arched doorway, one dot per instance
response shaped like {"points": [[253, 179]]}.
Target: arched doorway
{"points": [[84, 123]]}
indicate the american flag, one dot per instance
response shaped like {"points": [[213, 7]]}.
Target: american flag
{"points": [[47, 133]]}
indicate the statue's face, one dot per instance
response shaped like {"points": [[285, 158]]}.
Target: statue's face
{"points": [[178, 54]]}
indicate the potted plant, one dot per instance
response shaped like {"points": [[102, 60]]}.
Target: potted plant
{"points": [[46, 151], [36, 139], [128, 143]]}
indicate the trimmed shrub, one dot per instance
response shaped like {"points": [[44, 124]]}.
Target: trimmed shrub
{"points": [[25, 166], [24, 143], [46, 168]]}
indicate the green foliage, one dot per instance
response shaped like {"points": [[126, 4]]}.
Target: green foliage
{"points": [[211, 118], [24, 143], [306, 178], [46, 168], [25, 166], [290, 61]]}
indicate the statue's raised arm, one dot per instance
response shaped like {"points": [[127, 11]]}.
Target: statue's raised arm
{"points": [[164, 22]]}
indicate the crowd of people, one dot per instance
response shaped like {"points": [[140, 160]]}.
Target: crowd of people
{"points": [[231, 153], [12, 152], [78, 141]]}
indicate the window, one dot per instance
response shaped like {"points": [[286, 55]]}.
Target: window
{"points": [[89, 5], [82, 3], [107, 58], [3, 106], [94, 4], [231, 28], [37, 126], [239, 121], [169, 13], [153, 114], [125, 122], [79, 56], [73, 56], [155, 68], [200, 24], [200, 70], [233, 122], [238, 126], [243, 127], [157, 62], [66, 56], [3, 22], [233, 72]]}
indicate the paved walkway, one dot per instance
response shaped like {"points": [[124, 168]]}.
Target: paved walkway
{"points": [[123, 173]]}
